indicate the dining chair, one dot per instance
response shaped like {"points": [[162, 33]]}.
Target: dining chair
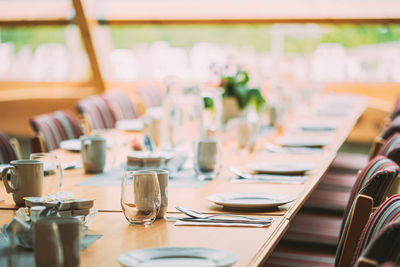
{"points": [[396, 109], [391, 128], [7, 151], [97, 111], [323, 229], [334, 189], [121, 105], [391, 149], [380, 239], [52, 128], [378, 243], [151, 96]]}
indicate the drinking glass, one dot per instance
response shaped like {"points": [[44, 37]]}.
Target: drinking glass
{"points": [[140, 196], [207, 159], [52, 172]]}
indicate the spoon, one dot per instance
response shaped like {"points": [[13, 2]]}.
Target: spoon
{"points": [[198, 215]]}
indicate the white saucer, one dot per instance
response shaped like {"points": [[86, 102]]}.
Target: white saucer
{"points": [[288, 168], [177, 257], [250, 200]]}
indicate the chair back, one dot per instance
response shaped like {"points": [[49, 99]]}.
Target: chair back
{"points": [[151, 96], [121, 105], [391, 148], [369, 191], [380, 239], [7, 152], [97, 111], [55, 127], [396, 109], [391, 128]]}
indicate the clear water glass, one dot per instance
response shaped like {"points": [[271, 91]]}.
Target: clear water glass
{"points": [[53, 175], [140, 196]]}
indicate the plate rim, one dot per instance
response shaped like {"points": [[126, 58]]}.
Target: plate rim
{"points": [[229, 258], [287, 199], [309, 167], [320, 142]]}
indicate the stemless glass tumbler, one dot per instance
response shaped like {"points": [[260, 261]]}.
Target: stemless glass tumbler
{"points": [[140, 196], [52, 172]]}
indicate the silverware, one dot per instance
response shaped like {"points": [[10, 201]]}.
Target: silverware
{"points": [[198, 215], [295, 150], [226, 221]]}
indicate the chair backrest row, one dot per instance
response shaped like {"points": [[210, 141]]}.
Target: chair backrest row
{"points": [[369, 191], [99, 112]]}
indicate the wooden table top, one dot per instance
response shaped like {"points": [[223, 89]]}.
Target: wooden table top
{"points": [[255, 244]]}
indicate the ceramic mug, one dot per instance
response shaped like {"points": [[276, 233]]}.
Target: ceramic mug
{"points": [[162, 176], [26, 179], [56, 241], [93, 153]]}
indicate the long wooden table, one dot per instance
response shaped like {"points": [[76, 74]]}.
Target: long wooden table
{"points": [[251, 245]]}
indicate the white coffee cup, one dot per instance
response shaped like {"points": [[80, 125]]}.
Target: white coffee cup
{"points": [[162, 176], [93, 153], [26, 179]]}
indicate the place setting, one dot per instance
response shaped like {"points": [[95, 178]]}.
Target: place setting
{"points": [[60, 219]]}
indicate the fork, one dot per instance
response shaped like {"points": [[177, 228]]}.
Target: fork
{"points": [[198, 215]]}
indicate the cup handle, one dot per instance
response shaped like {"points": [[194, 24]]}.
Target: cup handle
{"points": [[4, 173]]}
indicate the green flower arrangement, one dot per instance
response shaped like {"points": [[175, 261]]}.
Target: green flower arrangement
{"points": [[237, 86]]}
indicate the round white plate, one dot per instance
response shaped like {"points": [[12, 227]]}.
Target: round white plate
{"points": [[312, 141], [250, 200], [177, 257], [135, 125], [71, 145], [288, 168], [317, 125]]}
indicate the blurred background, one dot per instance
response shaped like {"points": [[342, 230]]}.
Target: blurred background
{"points": [[53, 53]]}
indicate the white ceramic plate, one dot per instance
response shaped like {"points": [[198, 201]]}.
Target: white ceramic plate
{"points": [[250, 200], [288, 168], [177, 257], [306, 141], [71, 145], [317, 125], [135, 125]]}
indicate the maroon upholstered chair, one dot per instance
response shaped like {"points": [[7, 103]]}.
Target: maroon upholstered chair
{"points": [[372, 183], [7, 152], [55, 127], [380, 239], [97, 111], [121, 105], [151, 96]]}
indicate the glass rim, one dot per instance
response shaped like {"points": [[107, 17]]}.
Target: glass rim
{"points": [[140, 172]]}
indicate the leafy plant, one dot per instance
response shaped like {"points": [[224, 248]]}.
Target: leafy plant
{"points": [[237, 86]]}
